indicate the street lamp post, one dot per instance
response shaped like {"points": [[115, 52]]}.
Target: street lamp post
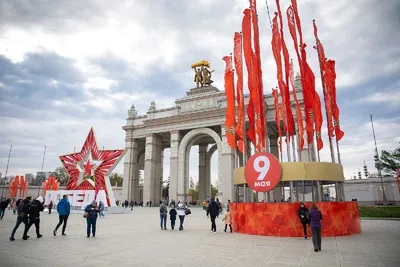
{"points": [[378, 164], [5, 177], [41, 172]]}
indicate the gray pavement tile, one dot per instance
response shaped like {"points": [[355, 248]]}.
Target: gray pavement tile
{"points": [[134, 239]]}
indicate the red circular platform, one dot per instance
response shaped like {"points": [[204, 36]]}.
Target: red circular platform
{"points": [[280, 218]]}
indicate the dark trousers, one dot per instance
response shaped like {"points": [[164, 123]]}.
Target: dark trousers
{"points": [[213, 225], [304, 224], [36, 222], [2, 211], [316, 237], [181, 220], [91, 223], [62, 219], [172, 224], [49, 210], [230, 227], [19, 221]]}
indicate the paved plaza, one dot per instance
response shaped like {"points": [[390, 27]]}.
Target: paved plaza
{"points": [[135, 239]]}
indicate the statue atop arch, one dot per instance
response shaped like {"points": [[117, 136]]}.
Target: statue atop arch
{"points": [[202, 74]]}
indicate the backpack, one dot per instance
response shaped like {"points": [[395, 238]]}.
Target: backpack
{"points": [[162, 209]]}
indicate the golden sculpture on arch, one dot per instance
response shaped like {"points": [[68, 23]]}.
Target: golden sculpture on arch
{"points": [[202, 74]]}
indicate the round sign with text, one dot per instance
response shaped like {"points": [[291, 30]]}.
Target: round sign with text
{"points": [[262, 172]]}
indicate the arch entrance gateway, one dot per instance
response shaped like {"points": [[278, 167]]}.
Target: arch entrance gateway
{"points": [[196, 119]]}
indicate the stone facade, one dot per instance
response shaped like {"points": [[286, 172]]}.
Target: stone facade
{"points": [[196, 119]]}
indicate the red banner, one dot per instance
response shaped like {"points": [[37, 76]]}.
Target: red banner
{"points": [[258, 75], [237, 50], [330, 78], [248, 56], [230, 100], [326, 88], [276, 51], [289, 114], [300, 130]]}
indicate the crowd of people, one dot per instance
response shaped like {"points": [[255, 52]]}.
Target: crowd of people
{"points": [[28, 212]]}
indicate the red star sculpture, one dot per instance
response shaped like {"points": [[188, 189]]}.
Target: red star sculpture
{"points": [[88, 168], [109, 159]]}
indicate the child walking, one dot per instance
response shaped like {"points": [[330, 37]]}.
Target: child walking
{"points": [[172, 216], [228, 220]]}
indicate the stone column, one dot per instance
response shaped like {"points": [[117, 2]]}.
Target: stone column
{"points": [[130, 184], [226, 166], [276, 193], [158, 177], [202, 172], [173, 165], [150, 160]]}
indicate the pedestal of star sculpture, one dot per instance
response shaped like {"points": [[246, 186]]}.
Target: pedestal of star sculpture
{"points": [[89, 172]]}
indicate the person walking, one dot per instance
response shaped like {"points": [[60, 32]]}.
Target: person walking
{"points": [[172, 216], [3, 206], [163, 215], [302, 213], [181, 211], [228, 220], [213, 211], [22, 216], [35, 208], [101, 210], [315, 217], [50, 206], [91, 211], [63, 210]]}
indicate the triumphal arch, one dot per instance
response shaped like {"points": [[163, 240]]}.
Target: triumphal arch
{"points": [[196, 119]]}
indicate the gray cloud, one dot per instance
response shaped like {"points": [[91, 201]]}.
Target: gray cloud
{"points": [[167, 37]]}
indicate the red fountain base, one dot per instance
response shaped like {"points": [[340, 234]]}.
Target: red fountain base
{"points": [[280, 219]]}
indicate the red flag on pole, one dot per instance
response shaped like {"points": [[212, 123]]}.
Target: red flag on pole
{"points": [[300, 131], [277, 120], [230, 100], [239, 89]]}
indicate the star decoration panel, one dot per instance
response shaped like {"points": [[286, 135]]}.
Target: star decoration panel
{"points": [[280, 219], [107, 159]]}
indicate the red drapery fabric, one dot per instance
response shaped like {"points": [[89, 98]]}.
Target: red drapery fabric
{"points": [[286, 60], [258, 73], [237, 50], [253, 108], [327, 90], [330, 77], [230, 102], [300, 131]]}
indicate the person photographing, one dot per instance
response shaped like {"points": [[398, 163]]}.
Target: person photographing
{"points": [[91, 213]]}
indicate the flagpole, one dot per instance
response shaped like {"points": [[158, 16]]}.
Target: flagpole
{"points": [[244, 125], [325, 97], [5, 177], [379, 165], [44, 154]]}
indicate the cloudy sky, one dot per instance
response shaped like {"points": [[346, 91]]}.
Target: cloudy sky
{"points": [[68, 65]]}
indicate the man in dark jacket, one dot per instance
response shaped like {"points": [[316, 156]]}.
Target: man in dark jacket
{"points": [[92, 211], [302, 213], [34, 217], [22, 217], [213, 211], [3, 205], [63, 210]]}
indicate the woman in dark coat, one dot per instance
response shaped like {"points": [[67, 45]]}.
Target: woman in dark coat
{"points": [[315, 217], [302, 212]]}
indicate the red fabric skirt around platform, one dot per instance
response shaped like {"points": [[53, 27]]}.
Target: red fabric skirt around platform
{"points": [[280, 218]]}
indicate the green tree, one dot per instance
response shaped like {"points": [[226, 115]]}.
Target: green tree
{"points": [[389, 160], [116, 178], [214, 190], [62, 175], [194, 190]]}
